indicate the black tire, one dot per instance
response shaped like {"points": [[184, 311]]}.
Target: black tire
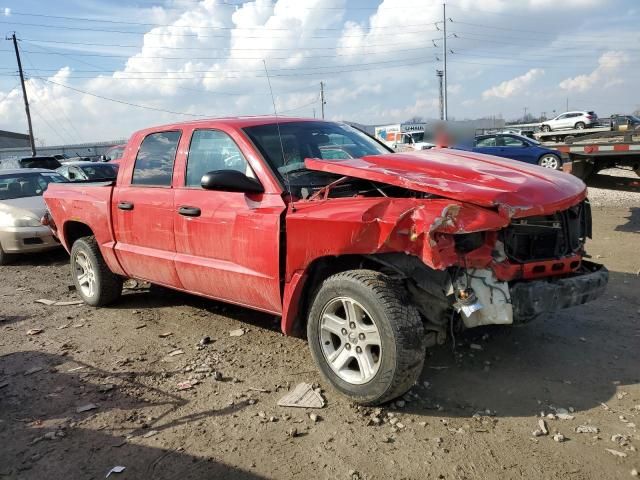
{"points": [[545, 128], [580, 126], [5, 258], [108, 286], [400, 328]]}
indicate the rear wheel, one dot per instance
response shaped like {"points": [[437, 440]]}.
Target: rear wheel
{"points": [[550, 160], [545, 128], [94, 282], [580, 126], [365, 337]]}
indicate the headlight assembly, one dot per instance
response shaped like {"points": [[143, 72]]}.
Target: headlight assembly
{"points": [[8, 220]]}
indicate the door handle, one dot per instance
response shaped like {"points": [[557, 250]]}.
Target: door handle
{"points": [[125, 205], [189, 211]]}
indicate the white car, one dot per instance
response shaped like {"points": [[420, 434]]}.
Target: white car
{"points": [[574, 120]]}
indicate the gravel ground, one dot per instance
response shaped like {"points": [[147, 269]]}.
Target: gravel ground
{"points": [[98, 388], [614, 187]]}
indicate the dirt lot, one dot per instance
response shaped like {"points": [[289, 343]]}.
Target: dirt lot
{"points": [[471, 416]]}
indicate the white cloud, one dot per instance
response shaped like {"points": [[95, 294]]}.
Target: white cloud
{"points": [[604, 75], [208, 60], [515, 86], [7, 11]]}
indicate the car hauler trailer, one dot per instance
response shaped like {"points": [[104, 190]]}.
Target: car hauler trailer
{"points": [[599, 150]]}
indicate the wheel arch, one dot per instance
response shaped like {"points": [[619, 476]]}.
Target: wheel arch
{"points": [[299, 292], [72, 230]]}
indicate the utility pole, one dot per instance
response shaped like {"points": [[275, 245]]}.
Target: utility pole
{"points": [[567, 105], [524, 119], [444, 55], [24, 95], [439, 74], [322, 102]]}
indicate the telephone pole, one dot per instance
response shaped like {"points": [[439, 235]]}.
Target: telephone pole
{"points": [[322, 101], [439, 74], [24, 95], [444, 55]]}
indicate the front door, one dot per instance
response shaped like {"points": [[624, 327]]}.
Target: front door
{"points": [[515, 148], [143, 212], [227, 243]]}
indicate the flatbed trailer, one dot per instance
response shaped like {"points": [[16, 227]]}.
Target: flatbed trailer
{"points": [[563, 135], [599, 150]]}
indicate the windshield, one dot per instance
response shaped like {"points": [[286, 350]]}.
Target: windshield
{"points": [[28, 184], [114, 153], [417, 136], [300, 140], [100, 171]]}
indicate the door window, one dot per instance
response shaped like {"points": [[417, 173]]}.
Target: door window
{"points": [[154, 162], [486, 142], [512, 142], [213, 150]]}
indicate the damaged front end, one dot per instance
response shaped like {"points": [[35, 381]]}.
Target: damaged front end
{"points": [[477, 241], [511, 274]]}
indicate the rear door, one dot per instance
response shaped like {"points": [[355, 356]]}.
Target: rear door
{"points": [[143, 211], [227, 243]]}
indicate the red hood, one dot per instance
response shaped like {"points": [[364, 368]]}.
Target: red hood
{"points": [[517, 189]]}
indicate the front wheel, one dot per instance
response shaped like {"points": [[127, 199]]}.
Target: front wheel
{"points": [[5, 258], [550, 161], [545, 128], [365, 337], [95, 283]]}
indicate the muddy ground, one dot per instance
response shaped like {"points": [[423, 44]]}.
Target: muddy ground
{"points": [[471, 416]]}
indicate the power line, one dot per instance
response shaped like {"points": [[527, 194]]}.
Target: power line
{"points": [[173, 25], [147, 107], [161, 57], [9, 92], [339, 70], [197, 35], [61, 110], [253, 49], [524, 58], [506, 40]]}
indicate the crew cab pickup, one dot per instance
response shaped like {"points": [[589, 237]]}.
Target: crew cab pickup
{"points": [[374, 255]]}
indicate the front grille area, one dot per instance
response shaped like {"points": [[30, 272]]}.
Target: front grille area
{"points": [[549, 236]]}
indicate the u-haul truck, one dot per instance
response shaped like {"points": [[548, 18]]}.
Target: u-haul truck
{"points": [[403, 136]]}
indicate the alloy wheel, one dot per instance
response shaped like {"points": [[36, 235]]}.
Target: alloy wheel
{"points": [[549, 161], [85, 274], [350, 340]]}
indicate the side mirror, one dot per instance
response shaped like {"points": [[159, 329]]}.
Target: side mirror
{"points": [[230, 181]]}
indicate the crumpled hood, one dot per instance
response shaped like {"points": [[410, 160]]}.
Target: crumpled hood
{"points": [[515, 188]]}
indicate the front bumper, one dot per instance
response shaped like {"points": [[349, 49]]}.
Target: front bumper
{"points": [[533, 298], [27, 239]]}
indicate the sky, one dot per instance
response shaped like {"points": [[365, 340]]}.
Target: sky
{"points": [[98, 70]]}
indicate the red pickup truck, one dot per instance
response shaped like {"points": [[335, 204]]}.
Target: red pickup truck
{"points": [[375, 255]]}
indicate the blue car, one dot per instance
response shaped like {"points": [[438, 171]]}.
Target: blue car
{"points": [[516, 147]]}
